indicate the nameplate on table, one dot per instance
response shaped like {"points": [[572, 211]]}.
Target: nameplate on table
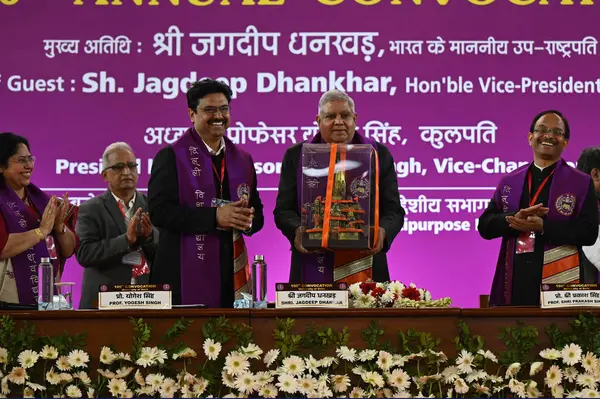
{"points": [[134, 296], [570, 295], [298, 296]]}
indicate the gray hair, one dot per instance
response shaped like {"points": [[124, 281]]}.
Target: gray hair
{"points": [[335, 95], [114, 147]]}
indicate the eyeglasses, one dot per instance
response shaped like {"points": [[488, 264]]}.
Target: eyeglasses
{"points": [[25, 160], [224, 109], [119, 167], [543, 130]]}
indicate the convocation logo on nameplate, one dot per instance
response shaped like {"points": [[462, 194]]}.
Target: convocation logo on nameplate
{"points": [[570, 295], [134, 296], [299, 296]]}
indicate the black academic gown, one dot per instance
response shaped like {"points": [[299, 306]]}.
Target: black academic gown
{"points": [[527, 269], [172, 219], [391, 213]]}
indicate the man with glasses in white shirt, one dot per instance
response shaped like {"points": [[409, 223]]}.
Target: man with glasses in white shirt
{"points": [[117, 239]]}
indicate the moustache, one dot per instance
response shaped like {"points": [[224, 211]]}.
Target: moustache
{"points": [[224, 121]]}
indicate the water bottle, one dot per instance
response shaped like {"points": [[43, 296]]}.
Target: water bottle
{"points": [[45, 285], [259, 279]]}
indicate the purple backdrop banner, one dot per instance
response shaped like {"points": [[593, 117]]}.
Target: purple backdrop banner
{"points": [[450, 89]]}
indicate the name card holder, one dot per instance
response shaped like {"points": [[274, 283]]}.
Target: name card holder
{"points": [[301, 296], [570, 296], [135, 296]]}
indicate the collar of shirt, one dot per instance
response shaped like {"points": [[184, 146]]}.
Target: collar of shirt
{"points": [[213, 152], [120, 201]]}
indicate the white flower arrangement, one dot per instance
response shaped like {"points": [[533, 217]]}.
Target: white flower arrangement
{"points": [[393, 294], [249, 371]]}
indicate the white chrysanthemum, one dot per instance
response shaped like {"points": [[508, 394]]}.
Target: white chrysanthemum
{"points": [[359, 370], [364, 301], [570, 374], [367, 354], [52, 377], [374, 379], [312, 365], [488, 355], [117, 386], [399, 360], [145, 390], [287, 383], [517, 387], [553, 376], [27, 358], [327, 361], [253, 351], [513, 370], [186, 353], [396, 287], [78, 358], [571, 354], [481, 389], [307, 386], [107, 356], [18, 375], [227, 379], [384, 361], [160, 355], [460, 386], [66, 377], [590, 393], [550, 354], [532, 391], [236, 363], [246, 383], [465, 361], [4, 389], [271, 356], [199, 387], [355, 290], [139, 378], [357, 392], [589, 362], [73, 392], [168, 388], [450, 374], [106, 373], [399, 379], [63, 363], [557, 391], [28, 393], [586, 380], [535, 368], [48, 352], [345, 353], [123, 372], [388, 297], [146, 358], [83, 377], [35, 387], [3, 356], [155, 380], [476, 375], [211, 348], [123, 356], [341, 383], [268, 391], [90, 392], [293, 365]]}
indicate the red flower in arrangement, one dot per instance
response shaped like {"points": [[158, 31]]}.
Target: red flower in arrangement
{"points": [[411, 293], [367, 286], [377, 292]]}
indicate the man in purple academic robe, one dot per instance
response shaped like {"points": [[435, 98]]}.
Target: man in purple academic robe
{"points": [[203, 197], [544, 212]]}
